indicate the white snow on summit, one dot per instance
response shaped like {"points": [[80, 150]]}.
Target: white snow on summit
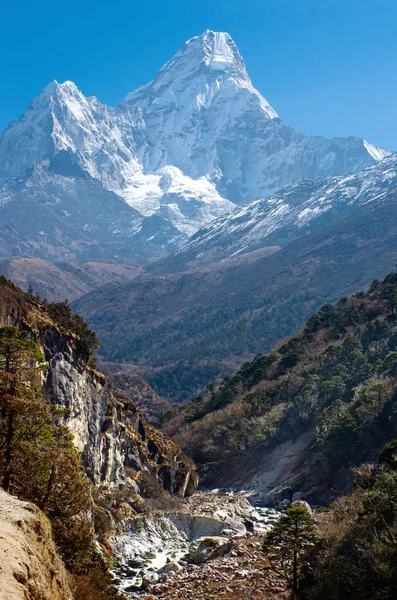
{"points": [[376, 152], [188, 146]]}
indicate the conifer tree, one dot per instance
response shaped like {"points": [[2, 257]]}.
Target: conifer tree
{"points": [[287, 546], [20, 362]]}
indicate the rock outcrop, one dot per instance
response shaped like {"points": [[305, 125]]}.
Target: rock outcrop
{"points": [[30, 567], [108, 430]]}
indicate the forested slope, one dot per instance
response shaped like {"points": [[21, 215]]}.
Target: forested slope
{"points": [[186, 329], [332, 386]]}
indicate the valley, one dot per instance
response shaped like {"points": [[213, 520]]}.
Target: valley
{"points": [[198, 338], [184, 330]]}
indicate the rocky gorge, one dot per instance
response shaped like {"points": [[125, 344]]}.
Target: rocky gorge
{"points": [[157, 551]]}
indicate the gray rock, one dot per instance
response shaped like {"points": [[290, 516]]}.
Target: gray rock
{"points": [[149, 579], [208, 548], [249, 525], [136, 562], [235, 524], [303, 503]]}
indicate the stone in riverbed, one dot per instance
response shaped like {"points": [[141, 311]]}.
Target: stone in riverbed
{"points": [[171, 567], [136, 562], [149, 579], [207, 548], [249, 525]]}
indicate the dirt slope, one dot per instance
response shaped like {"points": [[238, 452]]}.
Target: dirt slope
{"points": [[30, 568]]}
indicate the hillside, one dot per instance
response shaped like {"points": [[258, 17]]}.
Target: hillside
{"points": [[138, 391], [297, 419], [57, 281], [183, 330]]}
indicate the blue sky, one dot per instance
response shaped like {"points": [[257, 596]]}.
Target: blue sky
{"points": [[327, 67]]}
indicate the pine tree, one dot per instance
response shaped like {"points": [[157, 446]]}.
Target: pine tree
{"points": [[20, 362], [287, 546], [38, 460]]}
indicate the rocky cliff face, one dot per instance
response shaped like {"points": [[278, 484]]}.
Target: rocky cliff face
{"points": [[109, 431], [30, 565]]}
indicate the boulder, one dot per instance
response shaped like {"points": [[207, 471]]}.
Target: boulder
{"points": [[303, 503], [208, 548], [235, 524], [149, 579], [283, 494], [171, 567], [136, 562], [249, 525]]}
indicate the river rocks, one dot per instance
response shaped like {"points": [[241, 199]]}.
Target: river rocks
{"points": [[239, 575], [160, 540], [209, 548]]}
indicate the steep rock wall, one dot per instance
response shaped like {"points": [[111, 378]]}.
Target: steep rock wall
{"points": [[109, 431]]}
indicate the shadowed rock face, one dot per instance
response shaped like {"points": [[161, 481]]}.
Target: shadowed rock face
{"points": [[109, 431]]}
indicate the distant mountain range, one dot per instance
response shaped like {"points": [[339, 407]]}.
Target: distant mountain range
{"points": [[81, 180], [278, 220], [184, 329], [225, 295]]}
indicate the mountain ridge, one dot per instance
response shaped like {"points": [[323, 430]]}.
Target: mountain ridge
{"points": [[183, 329], [185, 148], [295, 211]]}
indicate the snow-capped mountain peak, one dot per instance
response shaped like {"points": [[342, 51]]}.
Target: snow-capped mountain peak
{"points": [[221, 51], [207, 68], [54, 95], [376, 152], [185, 148]]}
